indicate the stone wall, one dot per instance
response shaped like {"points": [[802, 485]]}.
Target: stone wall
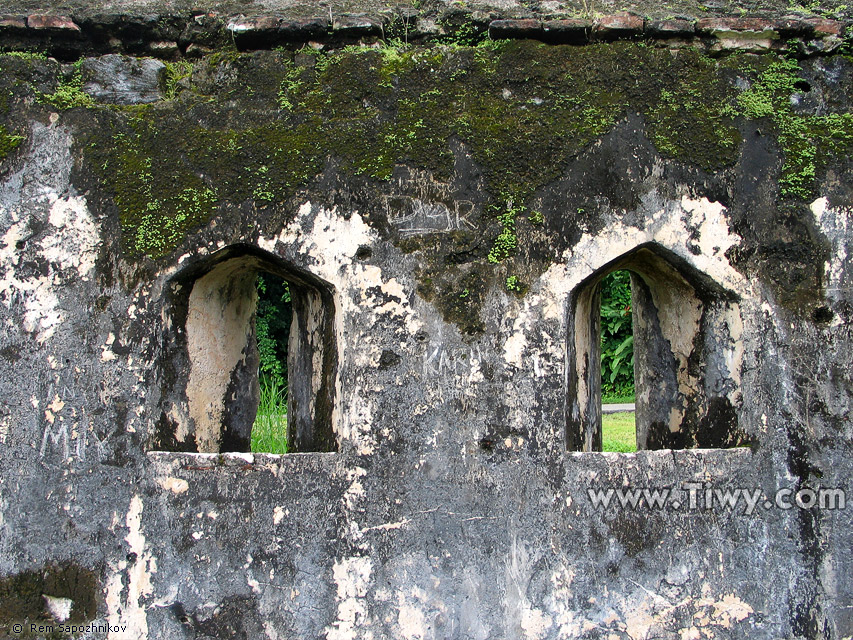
{"points": [[444, 208]]}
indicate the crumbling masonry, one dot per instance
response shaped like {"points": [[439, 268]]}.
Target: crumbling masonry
{"points": [[444, 186]]}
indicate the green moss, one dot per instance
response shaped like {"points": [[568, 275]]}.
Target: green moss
{"points": [[69, 93], [158, 196], [686, 124], [256, 129], [8, 142], [806, 140], [507, 241], [290, 89], [175, 73], [25, 55], [513, 284], [512, 105]]}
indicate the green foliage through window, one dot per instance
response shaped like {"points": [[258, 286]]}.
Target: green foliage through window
{"points": [[272, 329], [617, 337]]}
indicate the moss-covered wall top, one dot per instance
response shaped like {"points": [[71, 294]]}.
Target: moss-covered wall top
{"points": [[250, 133], [514, 8]]}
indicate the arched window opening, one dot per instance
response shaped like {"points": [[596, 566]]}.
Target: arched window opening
{"points": [[245, 327], [685, 331]]}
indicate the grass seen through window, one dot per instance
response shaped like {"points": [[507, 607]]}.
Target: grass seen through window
{"points": [[272, 328], [618, 430]]}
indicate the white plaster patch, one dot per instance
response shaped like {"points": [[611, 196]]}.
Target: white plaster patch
{"points": [[667, 227], [650, 614], [75, 243], [357, 423], [59, 608], [277, 515], [516, 343], [352, 577], [125, 600], [72, 244], [332, 241], [175, 485], [411, 621], [355, 492], [535, 623], [565, 616], [254, 584], [519, 613], [835, 225], [517, 348], [730, 609], [714, 235]]}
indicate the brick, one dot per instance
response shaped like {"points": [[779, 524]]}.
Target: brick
{"points": [[515, 29], [163, 48], [197, 51], [618, 26], [670, 28], [823, 27], [357, 26], [264, 24], [304, 29], [55, 23], [712, 25], [13, 23], [570, 31], [792, 26]]}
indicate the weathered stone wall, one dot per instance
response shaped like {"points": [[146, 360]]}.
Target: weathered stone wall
{"points": [[442, 209]]}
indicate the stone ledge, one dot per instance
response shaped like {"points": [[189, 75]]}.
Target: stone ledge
{"points": [[510, 29], [238, 463], [170, 36], [743, 455]]}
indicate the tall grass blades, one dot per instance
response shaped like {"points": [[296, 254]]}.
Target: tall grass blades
{"points": [[269, 433]]}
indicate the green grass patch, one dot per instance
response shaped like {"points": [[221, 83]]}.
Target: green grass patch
{"points": [[269, 433], [618, 397], [618, 432]]}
